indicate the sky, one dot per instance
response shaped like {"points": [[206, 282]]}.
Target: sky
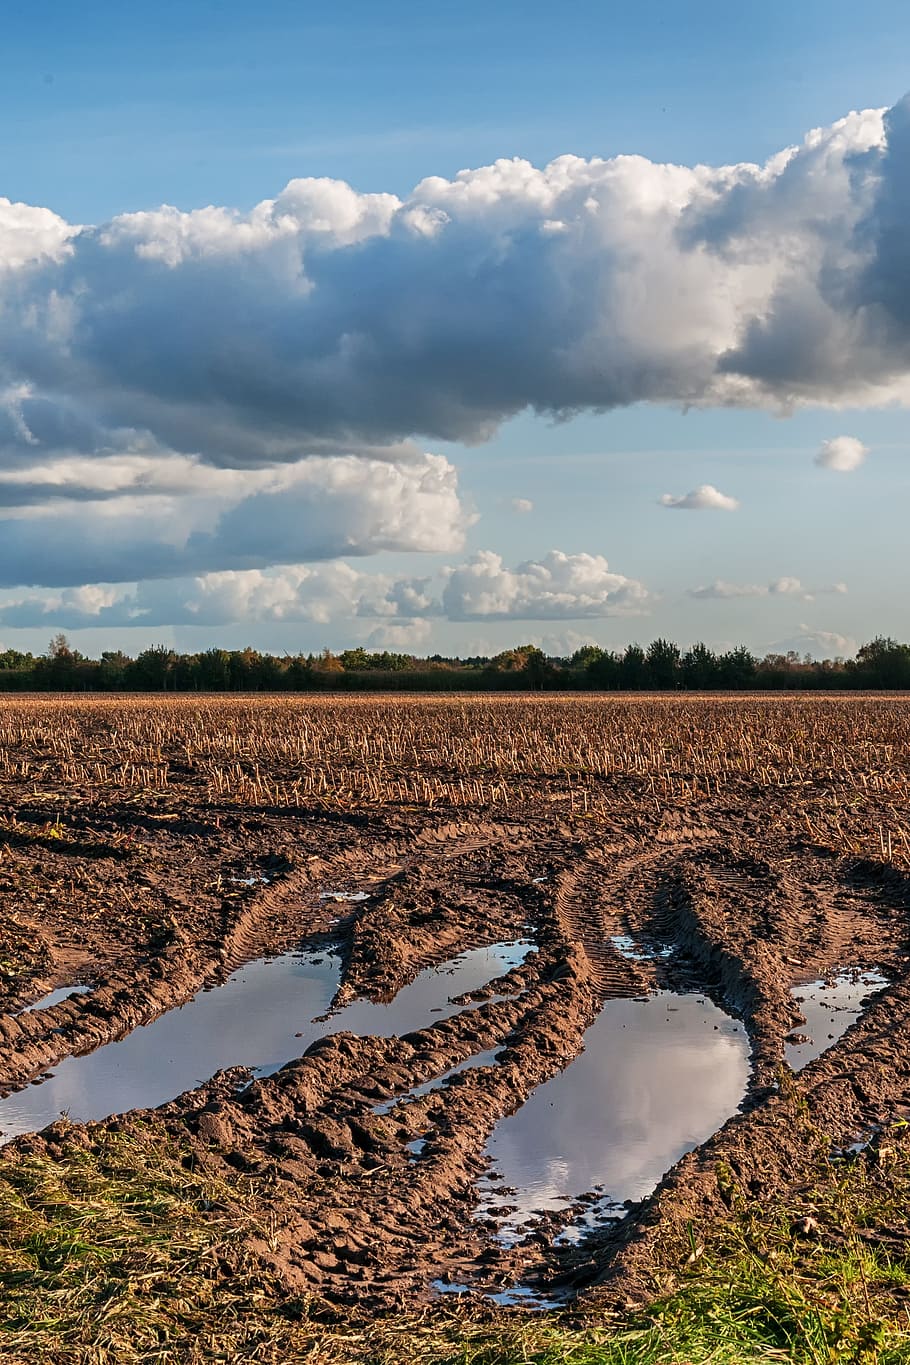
{"points": [[445, 328]]}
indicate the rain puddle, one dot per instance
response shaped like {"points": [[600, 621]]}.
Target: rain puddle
{"points": [[265, 1014], [635, 952], [658, 1076], [519, 1296], [830, 1007], [487, 1058], [54, 997]]}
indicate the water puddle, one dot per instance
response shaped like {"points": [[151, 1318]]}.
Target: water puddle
{"points": [[345, 895], [265, 1014], [519, 1296], [830, 1007], [859, 1145], [54, 997], [487, 1058], [634, 951], [658, 1076]]}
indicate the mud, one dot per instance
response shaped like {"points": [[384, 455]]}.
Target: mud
{"points": [[265, 1014], [369, 1145]]}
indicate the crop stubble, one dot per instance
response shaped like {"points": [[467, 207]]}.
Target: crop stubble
{"points": [[765, 839]]}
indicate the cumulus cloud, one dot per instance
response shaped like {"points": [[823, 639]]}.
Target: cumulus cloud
{"points": [[720, 590], [407, 636], [329, 314], [397, 610], [703, 498], [30, 236], [521, 505], [295, 594], [558, 587], [820, 644], [122, 518], [843, 453], [158, 372]]}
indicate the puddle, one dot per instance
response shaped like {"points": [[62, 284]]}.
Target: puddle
{"points": [[54, 997], [635, 952], [344, 895], [859, 1144], [487, 1058], [265, 1014], [658, 1076], [519, 1296], [830, 1007]]}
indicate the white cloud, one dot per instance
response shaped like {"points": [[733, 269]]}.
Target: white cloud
{"points": [[842, 453], [558, 587], [122, 518], [401, 610], [563, 645], [704, 497], [720, 590], [158, 372], [30, 236], [407, 636], [820, 644], [521, 505], [324, 313]]}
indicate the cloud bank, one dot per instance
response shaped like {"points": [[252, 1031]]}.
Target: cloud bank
{"points": [[558, 587], [118, 519], [222, 390], [819, 644], [325, 314], [721, 591]]}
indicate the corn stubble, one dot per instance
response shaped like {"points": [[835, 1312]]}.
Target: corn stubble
{"points": [[845, 759]]}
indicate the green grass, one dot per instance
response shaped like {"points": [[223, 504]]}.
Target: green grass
{"points": [[124, 1251]]}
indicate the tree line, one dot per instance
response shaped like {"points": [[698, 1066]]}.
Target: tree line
{"points": [[882, 664]]}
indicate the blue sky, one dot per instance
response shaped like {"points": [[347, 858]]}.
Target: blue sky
{"points": [[114, 110]]}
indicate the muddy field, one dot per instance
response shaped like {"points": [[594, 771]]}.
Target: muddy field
{"points": [[485, 996]]}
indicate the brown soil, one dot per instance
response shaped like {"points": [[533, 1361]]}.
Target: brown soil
{"points": [[135, 897]]}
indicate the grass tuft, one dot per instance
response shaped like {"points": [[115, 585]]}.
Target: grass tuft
{"points": [[126, 1251]]}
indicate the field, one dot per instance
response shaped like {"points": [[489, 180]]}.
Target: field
{"points": [[734, 849]]}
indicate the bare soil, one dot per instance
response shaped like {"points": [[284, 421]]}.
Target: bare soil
{"points": [[143, 897]]}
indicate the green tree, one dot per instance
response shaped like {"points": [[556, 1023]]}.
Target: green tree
{"points": [[664, 665], [699, 667], [883, 663]]}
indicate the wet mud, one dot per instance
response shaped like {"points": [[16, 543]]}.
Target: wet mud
{"points": [[422, 977]]}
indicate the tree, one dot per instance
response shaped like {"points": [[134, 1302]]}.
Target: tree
{"points": [[664, 662], [737, 668], [327, 662], [153, 669], [586, 656], [112, 669], [699, 667], [61, 664], [883, 663], [633, 668]]}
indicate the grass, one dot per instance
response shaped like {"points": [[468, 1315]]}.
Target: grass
{"points": [[124, 1251]]}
